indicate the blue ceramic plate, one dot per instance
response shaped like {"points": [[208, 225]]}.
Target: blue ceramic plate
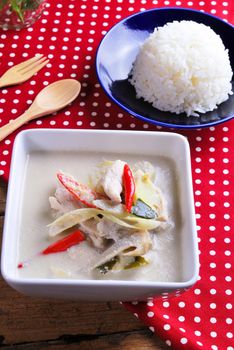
{"points": [[118, 51]]}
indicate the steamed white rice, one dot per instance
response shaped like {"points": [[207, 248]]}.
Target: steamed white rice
{"points": [[183, 67]]}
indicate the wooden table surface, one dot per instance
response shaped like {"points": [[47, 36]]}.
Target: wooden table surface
{"points": [[32, 323]]}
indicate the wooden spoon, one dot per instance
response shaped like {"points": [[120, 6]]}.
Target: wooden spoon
{"points": [[52, 98]]}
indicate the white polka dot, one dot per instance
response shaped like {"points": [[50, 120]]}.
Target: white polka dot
{"points": [[167, 327], [181, 318], [228, 265], [213, 306], [212, 252], [213, 334], [197, 291], [228, 278], [197, 333], [229, 335], [228, 292], [150, 303], [183, 340], [181, 304], [197, 305], [214, 347], [150, 314], [213, 320], [228, 320], [227, 252]]}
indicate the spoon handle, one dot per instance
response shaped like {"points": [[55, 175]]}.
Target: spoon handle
{"points": [[13, 125]]}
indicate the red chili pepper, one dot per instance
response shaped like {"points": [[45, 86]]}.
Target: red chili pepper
{"points": [[20, 265], [64, 243], [129, 187], [81, 192]]}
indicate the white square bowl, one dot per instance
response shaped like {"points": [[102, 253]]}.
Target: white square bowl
{"points": [[127, 143]]}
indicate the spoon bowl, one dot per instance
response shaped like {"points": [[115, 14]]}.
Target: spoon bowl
{"points": [[57, 95], [49, 100]]}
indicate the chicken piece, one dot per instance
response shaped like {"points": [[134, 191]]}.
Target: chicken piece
{"points": [[90, 227], [63, 202], [109, 229], [112, 181]]}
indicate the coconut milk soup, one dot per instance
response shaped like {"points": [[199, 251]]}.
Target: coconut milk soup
{"points": [[40, 182]]}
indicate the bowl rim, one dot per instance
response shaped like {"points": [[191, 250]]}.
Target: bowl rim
{"points": [[135, 114]]}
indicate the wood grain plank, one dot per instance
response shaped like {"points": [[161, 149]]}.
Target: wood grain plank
{"points": [[128, 341], [33, 319]]}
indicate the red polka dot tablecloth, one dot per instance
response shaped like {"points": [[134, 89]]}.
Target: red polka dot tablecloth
{"points": [[68, 33]]}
